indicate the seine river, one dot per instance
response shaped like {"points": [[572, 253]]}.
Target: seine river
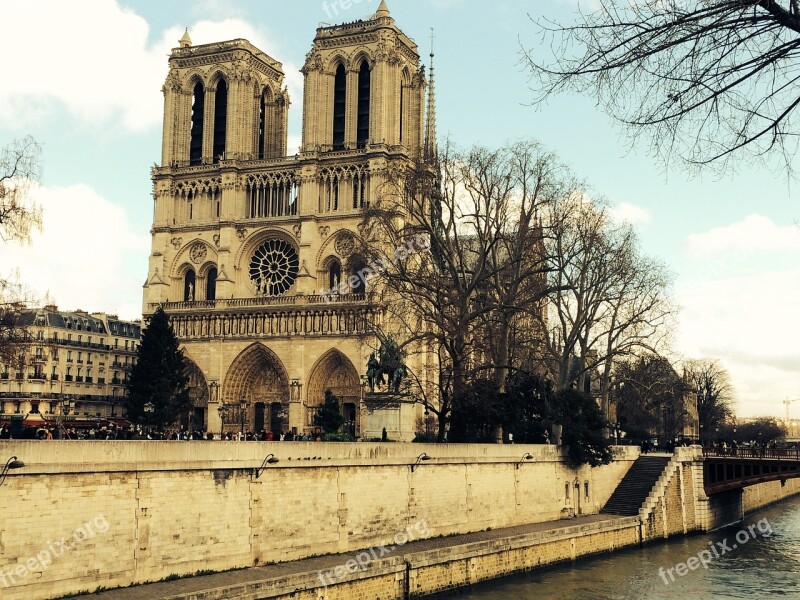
{"points": [[756, 565]]}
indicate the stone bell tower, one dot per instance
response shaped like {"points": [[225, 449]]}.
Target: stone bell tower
{"points": [[363, 86]]}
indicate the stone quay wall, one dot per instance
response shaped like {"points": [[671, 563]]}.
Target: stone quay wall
{"points": [[83, 515]]}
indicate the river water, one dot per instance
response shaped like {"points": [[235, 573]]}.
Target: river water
{"points": [[763, 561]]}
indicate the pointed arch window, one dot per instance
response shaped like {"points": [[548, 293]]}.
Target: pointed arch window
{"points": [[358, 272], [220, 118], [362, 123], [262, 125], [196, 134], [402, 91], [211, 284], [334, 276], [339, 103], [188, 286]]}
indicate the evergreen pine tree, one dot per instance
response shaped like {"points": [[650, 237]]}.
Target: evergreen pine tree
{"points": [[159, 375], [329, 417]]}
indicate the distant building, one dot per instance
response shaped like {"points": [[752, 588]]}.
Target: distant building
{"points": [[75, 361]]}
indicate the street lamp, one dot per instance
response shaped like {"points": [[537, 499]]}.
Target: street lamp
{"points": [[11, 463], [66, 406], [242, 407], [149, 409], [422, 457]]}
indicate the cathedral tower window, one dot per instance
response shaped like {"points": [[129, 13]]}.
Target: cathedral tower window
{"points": [[262, 124], [196, 136], [220, 118], [358, 274], [402, 90], [362, 123], [188, 286], [211, 284], [334, 276], [339, 105]]}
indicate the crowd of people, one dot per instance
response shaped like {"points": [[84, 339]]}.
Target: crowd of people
{"points": [[137, 432]]}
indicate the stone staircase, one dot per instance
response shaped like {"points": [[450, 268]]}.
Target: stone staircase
{"points": [[636, 486]]}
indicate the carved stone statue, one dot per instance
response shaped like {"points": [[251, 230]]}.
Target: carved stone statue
{"points": [[190, 294], [373, 372], [389, 363]]}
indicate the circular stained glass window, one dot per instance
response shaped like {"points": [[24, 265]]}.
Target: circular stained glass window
{"points": [[273, 267]]}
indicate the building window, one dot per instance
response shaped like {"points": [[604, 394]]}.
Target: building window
{"points": [[362, 122], [358, 269], [220, 118], [339, 105], [188, 286], [262, 124], [211, 284], [334, 276], [566, 491], [196, 135], [273, 267]]}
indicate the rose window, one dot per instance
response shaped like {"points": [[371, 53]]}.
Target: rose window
{"points": [[273, 267]]}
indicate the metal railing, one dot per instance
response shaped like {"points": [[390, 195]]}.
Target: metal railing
{"points": [[746, 452]]}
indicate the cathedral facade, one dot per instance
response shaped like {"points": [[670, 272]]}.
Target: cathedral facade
{"points": [[254, 253]]}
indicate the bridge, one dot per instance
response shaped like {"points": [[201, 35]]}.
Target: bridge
{"points": [[741, 467]]}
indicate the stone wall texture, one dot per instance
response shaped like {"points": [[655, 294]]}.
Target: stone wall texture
{"points": [[133, 512]]}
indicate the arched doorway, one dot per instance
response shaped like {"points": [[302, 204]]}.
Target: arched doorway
{"points": [[197, 420], [258, 378], [334, 372]]}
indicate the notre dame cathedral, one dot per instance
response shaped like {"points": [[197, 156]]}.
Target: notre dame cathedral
{"points": [[248, 243]]}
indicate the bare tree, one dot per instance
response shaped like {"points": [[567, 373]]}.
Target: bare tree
{"points": [[706, 80], [20, 168], [607, 301], [476, 217], [650, 398], [715, 398]]}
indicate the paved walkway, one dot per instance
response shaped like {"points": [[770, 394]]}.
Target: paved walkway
{"points": [[189, 585]]}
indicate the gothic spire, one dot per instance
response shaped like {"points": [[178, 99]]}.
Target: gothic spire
{"points": [[185, 41], [383, 10], [430, 117]]}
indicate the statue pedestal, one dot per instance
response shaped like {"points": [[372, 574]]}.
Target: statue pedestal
{"points": [[392, 411]]}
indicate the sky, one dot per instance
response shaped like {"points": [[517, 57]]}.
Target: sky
{"points": [[84, 79]]}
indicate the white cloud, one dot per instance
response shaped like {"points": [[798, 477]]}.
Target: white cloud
{"points": [[82, 257], [754, 233], [92, 58], [750, 324], [630, 213]]}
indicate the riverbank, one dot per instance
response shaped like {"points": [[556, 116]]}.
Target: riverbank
{"points": [[428, 566], [326, 521], [416, 569]]}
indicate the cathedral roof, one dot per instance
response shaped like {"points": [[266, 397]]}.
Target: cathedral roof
{"points": [[185, 40]]}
